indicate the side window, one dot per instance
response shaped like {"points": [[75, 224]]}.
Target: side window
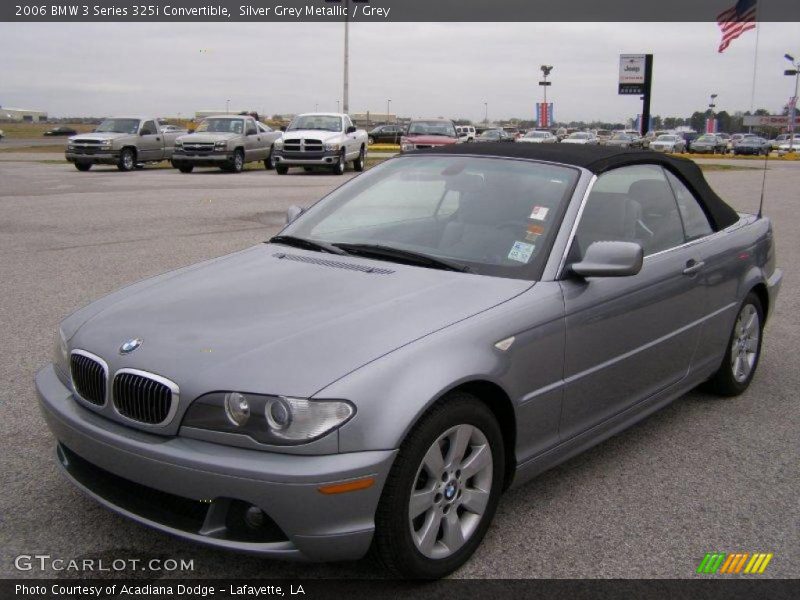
{"points": [[251, 128], [631, 204], [149, 128], [347, 122], [695, 221]]}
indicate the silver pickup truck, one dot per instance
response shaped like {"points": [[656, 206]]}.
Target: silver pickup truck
{"points": [[321, 139], [227, 142], [126, 142]]}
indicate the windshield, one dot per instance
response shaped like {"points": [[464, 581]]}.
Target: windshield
{"points": [[667, 138], [706, 138], [536, 134], [579, 136], [319, 122], [494, 216], [432, 128], [130, 126], [493, 134], [221, 125]]}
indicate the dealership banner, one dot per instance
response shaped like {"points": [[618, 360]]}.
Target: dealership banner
{"points": [[544, 114], [384, 10]]}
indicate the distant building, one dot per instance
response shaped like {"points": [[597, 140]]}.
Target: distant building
{"points": [[21, 114], [366, 119]]}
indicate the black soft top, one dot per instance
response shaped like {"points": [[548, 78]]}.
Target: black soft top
{"points": [[599, 159]]}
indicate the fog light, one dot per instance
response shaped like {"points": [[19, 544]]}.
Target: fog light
{"points": [[237, 408], [278, 414], [254, 517]]}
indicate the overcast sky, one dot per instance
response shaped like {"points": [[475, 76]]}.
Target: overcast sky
{"points": [[427, 69]]}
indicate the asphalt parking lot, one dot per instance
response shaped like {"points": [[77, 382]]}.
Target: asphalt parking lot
{"points": [[701, 475]]}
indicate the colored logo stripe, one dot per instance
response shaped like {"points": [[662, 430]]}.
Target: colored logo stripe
{"points": [[733, 563]]}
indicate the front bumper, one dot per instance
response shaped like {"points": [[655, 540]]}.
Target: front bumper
{"points": [[325, 158], [105, 157], [199, 490], [213, 159]]}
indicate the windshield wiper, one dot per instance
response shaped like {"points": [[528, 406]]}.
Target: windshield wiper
{"points": [[402, 256], [306, 244]]}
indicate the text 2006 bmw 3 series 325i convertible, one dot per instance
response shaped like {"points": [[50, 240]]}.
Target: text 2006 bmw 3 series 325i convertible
{"points": [[446, 325]]}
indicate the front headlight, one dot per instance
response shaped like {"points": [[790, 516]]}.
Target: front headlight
{"points": [[332, 147], [276, 420], [61, 356], [278, 144], [221, 146], [407, 147], [178, 144], [105, 144], [70, 147]]}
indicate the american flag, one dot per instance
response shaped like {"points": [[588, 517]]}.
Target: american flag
{"points": [[735, 21]]}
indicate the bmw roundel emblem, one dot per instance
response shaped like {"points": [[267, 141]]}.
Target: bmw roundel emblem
{"points": [[130, 345]]}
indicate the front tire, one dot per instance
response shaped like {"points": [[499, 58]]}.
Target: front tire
{"points": [[341, 164], [358, 164], [83, 166], [186, 168], [237, 164], [269, 162], [281, 169], [442, 491], [744, 350], [127, 160]]}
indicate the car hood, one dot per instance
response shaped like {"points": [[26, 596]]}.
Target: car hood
{"points": [[98, 136], [314, 134], [207, 137], [279, 320], [574, 141]]}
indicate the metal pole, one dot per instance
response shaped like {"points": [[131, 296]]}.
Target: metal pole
{"points": [[486, 112], [793, 111], [648, 85], [388, 108], [346, 91]]}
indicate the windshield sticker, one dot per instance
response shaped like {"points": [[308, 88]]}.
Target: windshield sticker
{"points": [[539, 213], [534, 231], [521, 252]]}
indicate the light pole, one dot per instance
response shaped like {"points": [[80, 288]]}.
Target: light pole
{"points": [[337, 106], [544, 83], [485, 113], [388, 108], [346, 86], [227, 106], [712, 106], [795, 72]]}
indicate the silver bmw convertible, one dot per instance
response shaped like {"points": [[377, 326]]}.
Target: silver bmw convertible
{"points": [[449, 324]]}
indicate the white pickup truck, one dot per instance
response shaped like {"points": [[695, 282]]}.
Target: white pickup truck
{"points": [[321, 140]]}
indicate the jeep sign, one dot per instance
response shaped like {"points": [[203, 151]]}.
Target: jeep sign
{"points": [[631, 73]]}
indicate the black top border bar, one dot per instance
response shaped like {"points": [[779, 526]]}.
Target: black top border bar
{"points": [[386, 10]]}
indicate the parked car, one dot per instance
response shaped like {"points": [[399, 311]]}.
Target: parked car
{"points": [[227, 142], [429, 133], [466, 133], [386, 134], [561, 133], [752, 145], [542, 314], [538, 137], [709, 143], [689, 137], [321, 140], [127, 142], [624, 140], [790, 144], [60, 131], [580, 137], [168, 128], [668, 142], [774, 144], [602, 135], [495, 135]]}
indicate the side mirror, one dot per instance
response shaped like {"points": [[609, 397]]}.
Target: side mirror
{"points": [[190, 130], [351, 129], [610, 259], [292, 213], [283, 127]]}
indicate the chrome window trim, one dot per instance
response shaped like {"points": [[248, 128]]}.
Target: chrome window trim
{"points": [[573, 231], [173, 409], [83, 401]]}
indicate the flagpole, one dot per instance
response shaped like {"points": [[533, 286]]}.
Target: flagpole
{"points": [[755, 60]]}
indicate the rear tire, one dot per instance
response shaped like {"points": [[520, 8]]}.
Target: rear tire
{"points": [[743, 352], [83, 166], [127, 160], [452, 464]]}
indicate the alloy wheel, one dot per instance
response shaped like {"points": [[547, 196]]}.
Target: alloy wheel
{"points": [[744, 348], [451, 491]]}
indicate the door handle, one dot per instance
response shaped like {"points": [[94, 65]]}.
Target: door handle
{"points": [[693, 267]]}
